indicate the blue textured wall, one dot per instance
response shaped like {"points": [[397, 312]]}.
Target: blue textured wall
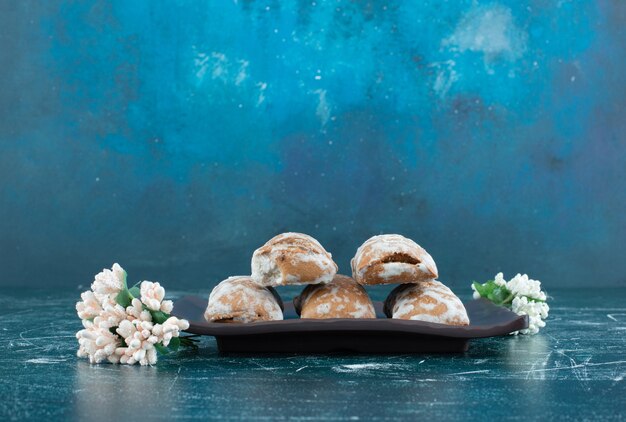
{"points": [[177, 136]]}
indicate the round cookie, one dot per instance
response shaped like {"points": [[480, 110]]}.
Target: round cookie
{"points": [[341, 298], [292, 258], [392, 258], [429, 301], [239, 299]]}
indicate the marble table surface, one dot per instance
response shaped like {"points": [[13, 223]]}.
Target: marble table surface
{"points": [[573, 369]]}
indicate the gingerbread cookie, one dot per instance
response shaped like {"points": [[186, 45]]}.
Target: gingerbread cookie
{"points": [[429, 301], [341, 298], [292, 258], [239, 299], [391, 258]]}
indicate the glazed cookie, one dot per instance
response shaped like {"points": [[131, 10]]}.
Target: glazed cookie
{"points": [[429, 301], [292, 258], [239, 299], [391, 258], [341, 298]]}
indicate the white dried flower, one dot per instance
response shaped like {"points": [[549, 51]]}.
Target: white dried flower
{"points": [[139, 341], [125, 329], [136, 311], [169, 329], [499, 280], [109, 282], [141, 336], [97, 344], [111, 315], [129, 356], [536, 311], [89, 307], [119, 334], [167, 306], [152, 295], [521, 285], [521, 294], [143, 357]]}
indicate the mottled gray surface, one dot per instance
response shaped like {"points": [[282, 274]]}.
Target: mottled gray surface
{"points": [[574, 369]]}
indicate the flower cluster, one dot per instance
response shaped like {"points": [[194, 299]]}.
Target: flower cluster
{"points": [[537, 312], [122, 325], [520, 294]]}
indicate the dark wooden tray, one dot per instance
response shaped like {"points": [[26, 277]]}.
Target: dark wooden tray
{"points": [[381, 336]]}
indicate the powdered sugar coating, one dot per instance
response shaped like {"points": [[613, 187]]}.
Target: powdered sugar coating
{"points": [[392, 258], [239, 299], [341, 298], [292, 258], [429, 301]]}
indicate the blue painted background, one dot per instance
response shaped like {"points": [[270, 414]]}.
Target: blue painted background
{"points": [[177, 136]]}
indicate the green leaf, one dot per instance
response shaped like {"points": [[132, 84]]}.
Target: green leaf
{"points": [[498, 295], [161, 349], [134, 291], [174, 344], [485, 289], [113, 330], [158, 317], [479, 288], [124, 298], [189, 341]]}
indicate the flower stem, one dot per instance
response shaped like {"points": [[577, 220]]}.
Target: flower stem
{"points": [[508, 299]]}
